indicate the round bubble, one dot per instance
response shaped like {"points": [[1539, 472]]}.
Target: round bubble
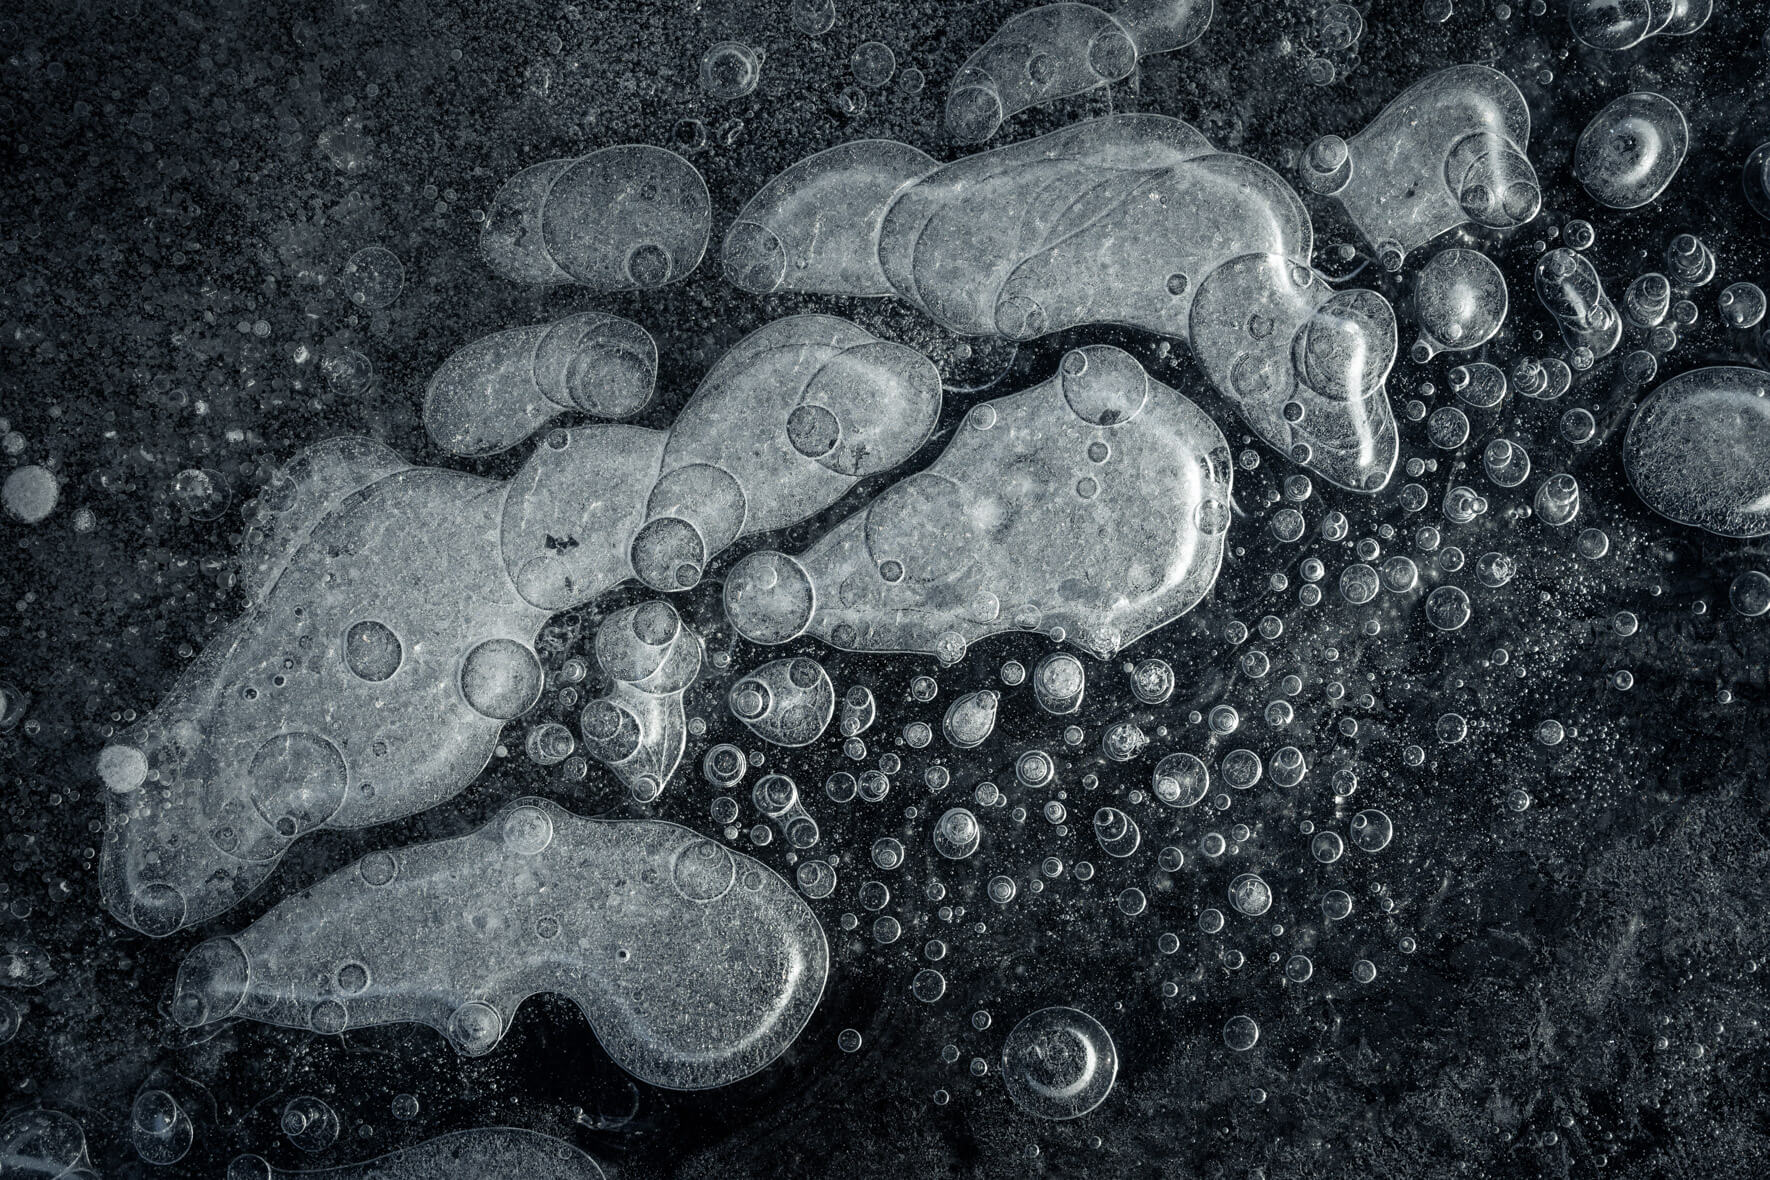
{"points": [[1749, 593], [1241, 1033], [1447, 608], [1181, 780], [501, 679], [1249, 894], [1059, 1063], [1695, 450], [1460, 301], [1371, 830], [372, 651], [374, 277], [730, 69], [30, 493]]}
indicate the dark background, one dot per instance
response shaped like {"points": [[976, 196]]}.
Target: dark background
{"points": [[181, 187]]}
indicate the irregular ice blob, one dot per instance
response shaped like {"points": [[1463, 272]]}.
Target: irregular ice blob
{"points": [[1631, 149], [649, 657], [30, 493], [1131, 219], [1696, 451], [1057, 50], [1623, 24], [1460, 299], [1059, 1063], [785, 423], [695, 966], [486, 1153], [971, 719], [619, 219], [1092, 507], [413, 597], [1568, 285], [1449, 150], [788, 702], [500, 389], [777, 797], [159, 1129]]}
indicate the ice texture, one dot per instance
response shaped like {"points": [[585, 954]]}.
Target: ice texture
{"points": [[694, 965]]}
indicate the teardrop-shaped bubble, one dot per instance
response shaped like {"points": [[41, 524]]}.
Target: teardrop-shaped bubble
{"points": [[1460, 300]]}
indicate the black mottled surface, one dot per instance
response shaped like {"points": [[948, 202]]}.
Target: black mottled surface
{"points": [[182, 185]]}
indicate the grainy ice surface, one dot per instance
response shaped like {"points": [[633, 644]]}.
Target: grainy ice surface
{"points": [[1166, 671]]}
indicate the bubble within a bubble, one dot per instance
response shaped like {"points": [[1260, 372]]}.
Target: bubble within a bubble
{"points": [[730, 69], [1059, 1063]]}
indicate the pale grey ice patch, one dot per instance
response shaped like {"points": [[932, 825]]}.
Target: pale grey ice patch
{"points": [[485, 1153], [1129, 219], [1092, 507], [393, 610], [1447, 151], [44, 1145], [1698, 450], [695, 966], [622, 218], [500, 389], [1057, 50]]}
